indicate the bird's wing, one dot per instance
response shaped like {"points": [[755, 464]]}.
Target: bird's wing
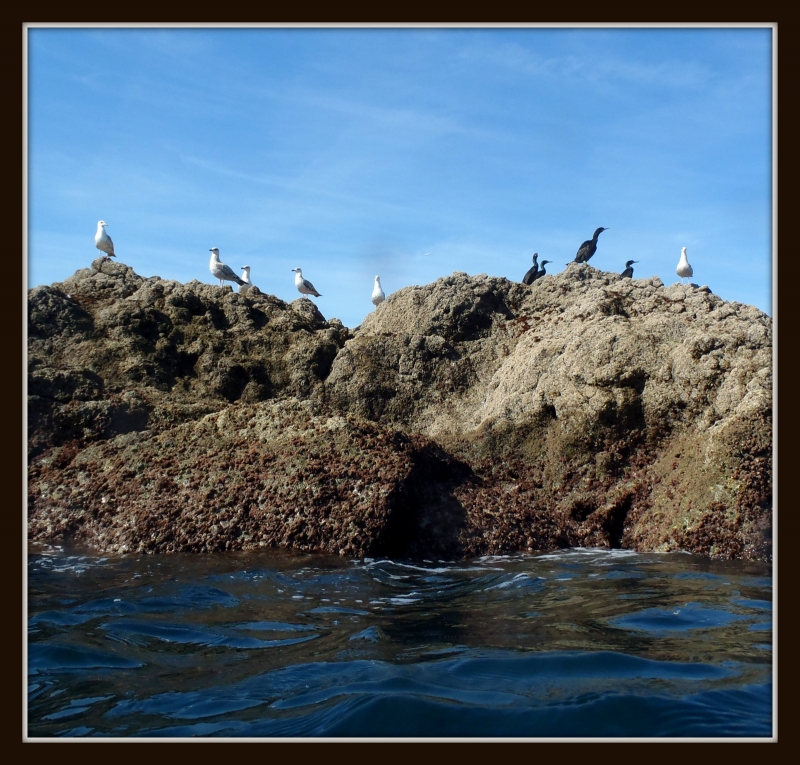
{"points": [[529, 274], [105, 244], [228, 273]]}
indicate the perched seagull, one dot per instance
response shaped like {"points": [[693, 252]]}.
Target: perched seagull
{"points": [[629, 268], [243, 288], [530, 274], [589, 247], [541, 272], [220, 270], [684, 270], [378, 295], [304, 287], [103, 241]]}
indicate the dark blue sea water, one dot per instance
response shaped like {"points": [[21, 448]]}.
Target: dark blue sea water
{"points": [[580, 643]]}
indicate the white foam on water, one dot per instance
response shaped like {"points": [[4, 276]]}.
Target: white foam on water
{"points": [[402, 601]]}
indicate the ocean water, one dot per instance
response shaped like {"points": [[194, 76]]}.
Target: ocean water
{"points": [[578, 643]]}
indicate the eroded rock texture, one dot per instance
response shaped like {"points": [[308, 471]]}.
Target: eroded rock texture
{"points": [[110, 352], [469, 416]]}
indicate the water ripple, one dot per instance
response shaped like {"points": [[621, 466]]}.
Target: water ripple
{"points": [[574, 643]]}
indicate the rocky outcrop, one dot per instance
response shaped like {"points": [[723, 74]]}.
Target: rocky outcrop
{"points": [[110, 352], [469, 416], [249, 476]]}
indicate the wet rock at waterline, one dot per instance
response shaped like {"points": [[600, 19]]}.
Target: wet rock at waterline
{"points": [[470, 416]]}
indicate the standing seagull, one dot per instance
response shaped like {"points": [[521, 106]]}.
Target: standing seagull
{"points": [[541, 272], [246, 279], [220, 270], [684, 270], [378, 295], [629, 268], [103, 241], [589, 247], [530, 274], [304, 287]]}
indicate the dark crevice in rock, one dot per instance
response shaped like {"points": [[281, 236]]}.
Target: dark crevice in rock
{"points": [[426, 520]]}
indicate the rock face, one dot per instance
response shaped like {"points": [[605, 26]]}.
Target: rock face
{"points": [[110, 352], [469, 416], [269, 474]]}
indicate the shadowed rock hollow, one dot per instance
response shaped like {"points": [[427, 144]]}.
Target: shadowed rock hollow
{"points": [[469, 416]]}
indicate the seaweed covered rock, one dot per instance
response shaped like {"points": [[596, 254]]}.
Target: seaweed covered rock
{"points": [[110, 352], [573, 391], [250, 476], [470, 416]]}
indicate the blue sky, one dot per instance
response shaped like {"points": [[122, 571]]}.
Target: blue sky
{"points": [[409, 153]]}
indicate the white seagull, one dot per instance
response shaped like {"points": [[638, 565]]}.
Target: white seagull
{"points": [[220, 270], [684, 270], [103, 241], [378, 295], [304, 287], [246, 279]]}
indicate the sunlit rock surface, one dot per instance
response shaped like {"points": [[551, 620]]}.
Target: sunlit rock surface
{"points": [[469, 416]]}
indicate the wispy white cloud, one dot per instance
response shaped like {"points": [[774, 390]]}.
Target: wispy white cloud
{"points": [[399, 119], [322, 179], [173, 43], [595, 66]]}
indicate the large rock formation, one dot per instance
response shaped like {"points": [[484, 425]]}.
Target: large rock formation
{"points": [[470, 416], [110, 352]]}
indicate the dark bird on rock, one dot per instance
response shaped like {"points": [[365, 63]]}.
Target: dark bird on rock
{"points": [[589, 247], [629, 268], [541, 272], [530, 274]]}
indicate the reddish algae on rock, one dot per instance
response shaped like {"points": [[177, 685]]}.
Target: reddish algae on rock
{"points": [[470, 416]]}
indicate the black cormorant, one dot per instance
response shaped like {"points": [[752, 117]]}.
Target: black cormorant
{"points": [[589, 247], [530, 274], [629, 268], [541, 272]]}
